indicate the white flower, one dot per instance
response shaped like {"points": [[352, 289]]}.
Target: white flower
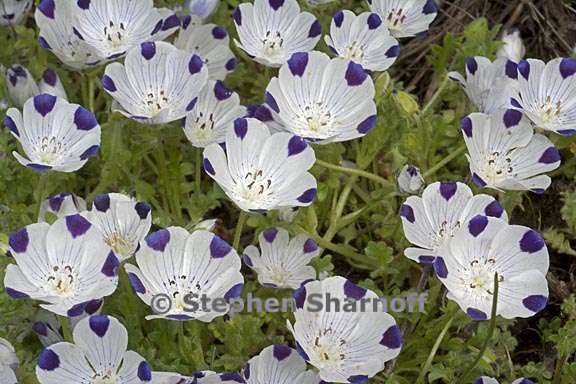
{"points": [[504, 152], [260, 171], [410, 179], [54, 134], [12, 12], [183, 267], [211, 43], [546, 92], [201, 8], [123, 222], [485, 246], [200, 377], [278, 364], [103, 30], [60, 205], [282, 262], [431, 220], [157, 83], [490, 380], [405, 18], [347, 346], [20, 84], [264, 114], [98, 355], [48, 327], [363, 39], [8, 362], [513, 48], [66, 265], [51, 84], [488, 85], [321, 99], [270, 31], [318, 2], [212, 115]]}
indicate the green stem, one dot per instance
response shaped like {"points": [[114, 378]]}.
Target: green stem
{"points": [[66, 330], [558, 370], [41, 192], [435, 347], [436, 95], [353, 171], [238, 231], [337, 215], [491, 329], [198, 171], [444, 161], [91, 93]]}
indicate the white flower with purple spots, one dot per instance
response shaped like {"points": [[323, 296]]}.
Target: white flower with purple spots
{"points": [[112, 27], [48, 327], [264, 114], [260, 171], [270, 31], [488, 85], [60, 205], [201, 8], [13, 12], [321, 99], [98, 355], [157, 83], [318, 2], [430, 221], [54, 134], [363, 39], [20, 84], [347, 346], [410, 179], [546, 92], [490, 380], [123, 222], [201, 377], [513, 48], [8, 362], [282, 262], [405, 18], [278, 364], [209, 41], [505, 153], [66, 265], [213, 115], [51, 84], [181, 266], [486, 246]]}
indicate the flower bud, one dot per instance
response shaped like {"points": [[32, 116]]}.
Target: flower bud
{"points": [[410, 180]]}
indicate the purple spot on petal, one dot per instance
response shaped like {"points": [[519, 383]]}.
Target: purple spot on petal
{"points": [[300, 296], [270, 234], [221, 92], [148, 50], [368, 124], [44, 103], [219, 248], [567, 132], [77, 225], [195, 64], [102, 202], [477, 225], [515, 103], [142, 209], [15, 294], [315, 29], [524, 69], [231, 64], [440, 268], [19, 241], [271, 101], [512, 117], [234, 292], [136, 283], [108, 84], [355, 74], [40, 328], [448, 189], [158, 240], [310, 246], [466, 126], [170, 22], [308, 196], [240, 127], [339, 18], [296, 145], [48, 360], [374, 21], [110, 267], [511, 69], [430, 7], [144, 371], [84, 4], [276, 4], [476, 314], [357, 379], [84, 119], [393, 51], [281, 352], [247, 260], [531, 242], [478, 180], [208, 167], [353, 291], [90, 152], [297, 63], [9, 123], [191, 104], [550, 156], [407, 212], [471, 65], [392, 338], [47, 8], [237, 15], [50, 77], [535, 303], [99, 324], [567, 67], [494, 209]]}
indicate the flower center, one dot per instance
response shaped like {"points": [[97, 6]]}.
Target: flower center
{"points": [[63, 281], [203, 127], [317, 119], [496, 168], [445, 232], [550, 111], [478, 278], [154, 102], [272, 43], [107, 377], [50, 150], [329, 351], [278, 274], [121, 246], [354, 51], [114, 34], [254, 186], [395, 19]]}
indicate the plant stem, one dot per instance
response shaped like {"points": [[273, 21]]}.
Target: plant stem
{"points": [[436, 95], [238, 231], [198, 171], [66, 330], [434, 350], [353, 171], [558, 370], [444, 161], [490, 333], [41, 193], [91, 93]]}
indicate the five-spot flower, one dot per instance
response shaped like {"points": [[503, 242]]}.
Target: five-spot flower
{"points": [[270, 31], [485, 249], [505, 153], [321, 99], [488, 85], [60, 205], [363, 39], [8, 362], [346, 345], [278, 364], [98, 355], [490, 380], [157, 83], [66, 264], [405, 18], [513, 48], [54, 134], [12, 12], [178, 272], [209, 41], [282, 262], [201, 8], [213, 115], [260, 171], [546, 92], [122, 221], [431, 220]]}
